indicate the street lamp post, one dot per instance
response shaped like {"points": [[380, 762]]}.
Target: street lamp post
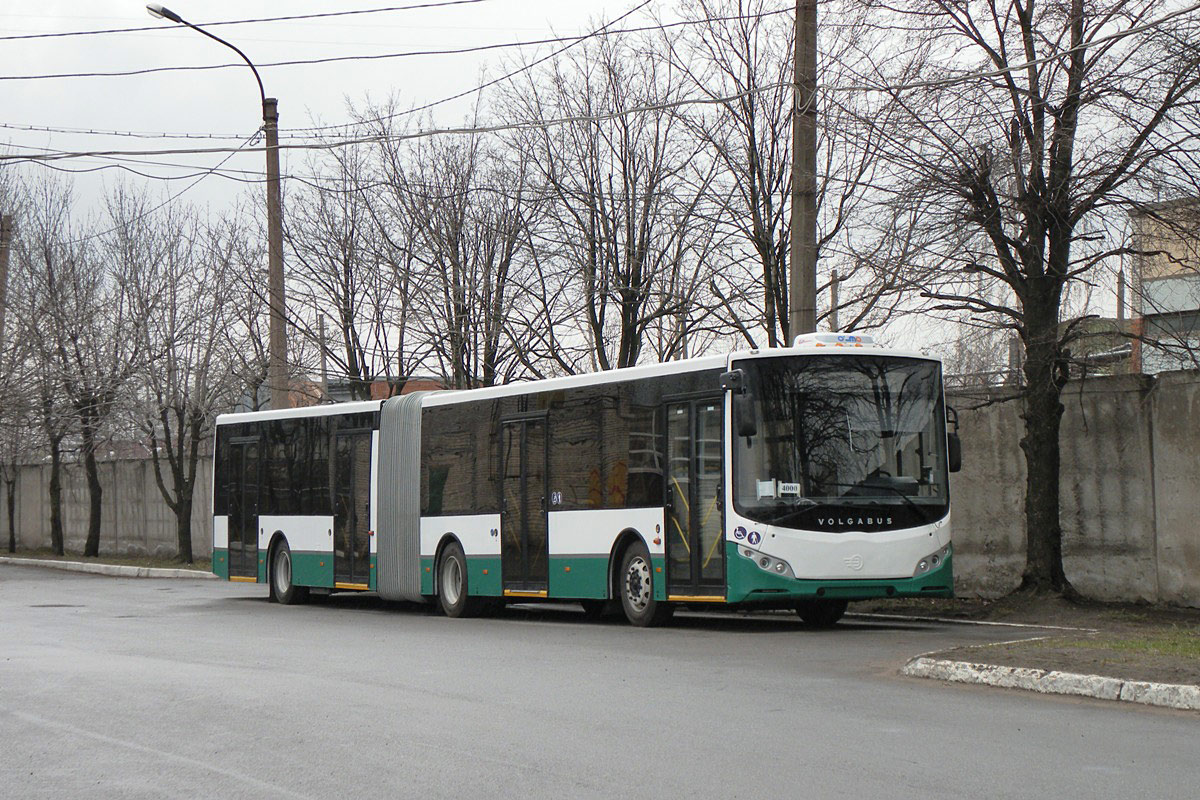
{"points": [[277, 371]]}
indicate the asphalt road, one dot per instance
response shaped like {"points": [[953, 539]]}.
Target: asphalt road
{"points": [[175, 688]]}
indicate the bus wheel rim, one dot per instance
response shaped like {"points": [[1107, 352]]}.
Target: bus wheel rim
{"points": [[637, 584], [283, 571], [452, 580]]}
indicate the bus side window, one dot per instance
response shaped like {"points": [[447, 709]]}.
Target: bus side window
{"points": [[437, 487]]}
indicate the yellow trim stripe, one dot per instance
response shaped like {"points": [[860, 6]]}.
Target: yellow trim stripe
{"points": [[695, 598], [518, 593], [243, 579], [359, 586]]}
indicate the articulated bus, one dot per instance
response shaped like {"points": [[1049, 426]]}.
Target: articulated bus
{"points": [[800, 477]]}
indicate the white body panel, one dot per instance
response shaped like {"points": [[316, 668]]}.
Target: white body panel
{"points": [[308, 534], [474, 531], [220, 533], [592, 532]]}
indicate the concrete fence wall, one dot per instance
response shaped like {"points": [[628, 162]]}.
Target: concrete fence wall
{"points": [[134, 519], [1130, 487]]}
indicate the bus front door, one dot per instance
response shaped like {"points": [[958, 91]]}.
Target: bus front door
{"points": [[243, 509], [351, 510], [524, 554], [694, 515]]}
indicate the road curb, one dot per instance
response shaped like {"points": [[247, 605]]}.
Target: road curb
{"points": [[958, 621], [116, 570], [1168, 695]]}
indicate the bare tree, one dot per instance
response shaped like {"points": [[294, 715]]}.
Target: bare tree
{"points": [[464, 206], [625, 184], [45, 253], [343, 271], [190, 380], [1029, 124], [231, 241]]}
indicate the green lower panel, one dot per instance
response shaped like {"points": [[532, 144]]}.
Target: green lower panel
{"points": [[220, 563], [426, 575], [750, 584], [262, 566], [483, 576], [311, 568], [660, 577], [579, 577], [372, 582]]}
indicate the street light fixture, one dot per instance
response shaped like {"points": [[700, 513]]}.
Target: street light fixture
{"points": [[277, 371]]}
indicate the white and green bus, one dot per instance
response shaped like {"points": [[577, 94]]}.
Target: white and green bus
{"points": [[800, 477]]}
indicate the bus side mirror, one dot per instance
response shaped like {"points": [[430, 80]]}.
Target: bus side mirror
{"points": [[953, 452], [734, 382], [744, 416], [953, 443]]}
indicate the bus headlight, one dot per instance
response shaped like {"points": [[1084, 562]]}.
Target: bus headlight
{"points": [[931, 561], [768, 564]]}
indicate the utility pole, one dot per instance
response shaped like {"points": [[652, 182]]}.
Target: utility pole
{"points": [[803, 279], [324, 363], [277, 369], [6, 230], [833, 303]]}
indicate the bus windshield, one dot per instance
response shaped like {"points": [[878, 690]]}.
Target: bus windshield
{"points": [[854, 442]]}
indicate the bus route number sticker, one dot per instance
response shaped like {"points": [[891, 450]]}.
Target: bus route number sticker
{"points": [[556, 498]]}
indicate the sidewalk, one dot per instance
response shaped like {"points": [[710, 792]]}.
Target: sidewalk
{"points": [[99, 568], [1133, 653]]}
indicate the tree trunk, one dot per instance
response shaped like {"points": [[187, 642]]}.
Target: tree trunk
{"points": [[1042, 414], [92, 546], [10, 488], [56, 526], [183, 526]]}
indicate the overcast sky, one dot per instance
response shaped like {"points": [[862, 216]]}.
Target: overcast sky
{"points": [[226, 101]]}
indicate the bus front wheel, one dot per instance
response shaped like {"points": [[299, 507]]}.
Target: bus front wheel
{"points": [[637, 589]]}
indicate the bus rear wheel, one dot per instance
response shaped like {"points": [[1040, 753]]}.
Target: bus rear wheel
{"points": [[821, 613], [636, 586], [283, 588], [452, 584]]}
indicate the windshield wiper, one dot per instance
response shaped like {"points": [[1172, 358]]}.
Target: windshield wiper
{"points": [[920, 512], [805, 504]]}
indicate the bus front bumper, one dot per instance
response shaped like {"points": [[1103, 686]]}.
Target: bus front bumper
{"points": [[750, 585]]}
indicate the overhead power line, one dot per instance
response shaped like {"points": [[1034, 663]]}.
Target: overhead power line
{"points": [[533, 124], [294, 17], [601, 31], [376, 56]]}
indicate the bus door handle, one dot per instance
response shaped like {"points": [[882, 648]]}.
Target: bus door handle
{"points": [[542, 503]]}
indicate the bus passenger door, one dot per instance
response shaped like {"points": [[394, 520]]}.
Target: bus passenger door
{"points": [[351, 512], [524, 552], [243, 509], [694, 516]]}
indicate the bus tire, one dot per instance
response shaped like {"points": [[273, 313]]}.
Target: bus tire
{"points": [[283, 588], [636, 584], [452, 583], [821, 613]]}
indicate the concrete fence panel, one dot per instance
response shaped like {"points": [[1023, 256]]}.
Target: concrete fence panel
{"points": [[1175, 404], [987, 498], [1107, 489]]}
